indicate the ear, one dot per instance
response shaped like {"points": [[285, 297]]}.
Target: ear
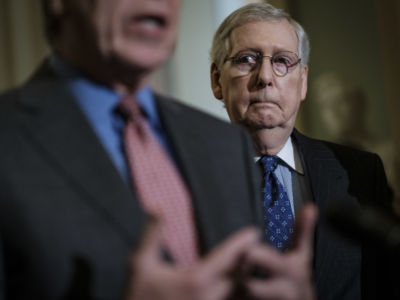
{"points": [[304, 80], [215, 76]]}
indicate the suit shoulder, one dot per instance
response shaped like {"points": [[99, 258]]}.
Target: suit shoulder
{"points": [[359, 161], [195, 116], [357, 154], [8, 96], [338, 149], [8, 105]]}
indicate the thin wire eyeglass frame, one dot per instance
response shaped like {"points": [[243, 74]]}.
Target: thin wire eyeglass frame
{"points": [[259, 62]]}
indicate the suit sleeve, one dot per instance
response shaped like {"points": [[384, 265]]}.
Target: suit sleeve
{"points": [[383, 262], [2, 273], [383, 193]]}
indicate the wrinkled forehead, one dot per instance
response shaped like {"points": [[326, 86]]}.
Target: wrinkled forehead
{"points": [[264, 36]]}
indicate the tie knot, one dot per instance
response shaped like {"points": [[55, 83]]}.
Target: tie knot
{"points": [[270, 163], [129, 108]]}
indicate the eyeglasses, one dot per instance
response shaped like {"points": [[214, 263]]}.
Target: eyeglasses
{"points": [[247, 61]]}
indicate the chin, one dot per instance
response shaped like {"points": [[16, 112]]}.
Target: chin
{"points": [[257, 124], [265, 122], [143, 57]]}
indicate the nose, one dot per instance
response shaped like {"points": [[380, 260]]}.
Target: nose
{"points": [[265, 73]]}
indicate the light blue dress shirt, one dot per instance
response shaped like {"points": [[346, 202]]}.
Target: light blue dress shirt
{"points": [[98, 104]]}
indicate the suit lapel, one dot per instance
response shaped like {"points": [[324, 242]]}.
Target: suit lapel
{"points": [[53, 122], [323, 170]]}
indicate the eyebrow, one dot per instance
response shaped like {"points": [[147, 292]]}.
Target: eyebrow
{"points": [[247, 50], [257, 50]]}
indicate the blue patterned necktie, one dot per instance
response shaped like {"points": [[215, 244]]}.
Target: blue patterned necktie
{"points": [[278, 214]]}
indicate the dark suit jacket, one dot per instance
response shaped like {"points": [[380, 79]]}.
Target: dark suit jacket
{"points": [[344, 269], [68, 222]]}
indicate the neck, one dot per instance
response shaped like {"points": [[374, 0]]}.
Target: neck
{"points": [[117, 75], [269, 141]]}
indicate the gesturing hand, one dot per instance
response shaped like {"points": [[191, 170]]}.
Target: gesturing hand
{"points": [[289, 274], [209, 279]]}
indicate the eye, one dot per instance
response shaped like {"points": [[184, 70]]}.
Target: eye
{"points": [[286, 59], [281, 60], [245, 58]]}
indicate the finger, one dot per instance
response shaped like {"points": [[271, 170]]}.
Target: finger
{"points": [[272, 289], [219, 290], [266, 258], [148, 250], [305, 225], [280, 288], [225, 257]]}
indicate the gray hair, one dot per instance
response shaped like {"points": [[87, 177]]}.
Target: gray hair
{"points": [[252, 13]]}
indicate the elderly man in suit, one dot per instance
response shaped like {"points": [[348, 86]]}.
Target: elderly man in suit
{"points": [[90, 155], [259, 70]]}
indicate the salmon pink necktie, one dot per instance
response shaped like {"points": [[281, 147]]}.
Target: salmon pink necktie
{"points": [[159, 185]]}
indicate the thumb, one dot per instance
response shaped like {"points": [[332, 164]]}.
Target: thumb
{"points": [[305, 225], [144, 262], [149, 248], [225, 257]]}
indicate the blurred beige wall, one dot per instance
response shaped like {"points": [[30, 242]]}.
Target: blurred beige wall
{"points": [[22, 43], [388, 15]]}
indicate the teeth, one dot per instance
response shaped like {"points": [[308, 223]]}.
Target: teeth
{"points": [[151, 21]]}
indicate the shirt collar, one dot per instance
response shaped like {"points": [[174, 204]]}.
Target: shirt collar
{"points": [[290, 156], [147, 102], [87, 91]]}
